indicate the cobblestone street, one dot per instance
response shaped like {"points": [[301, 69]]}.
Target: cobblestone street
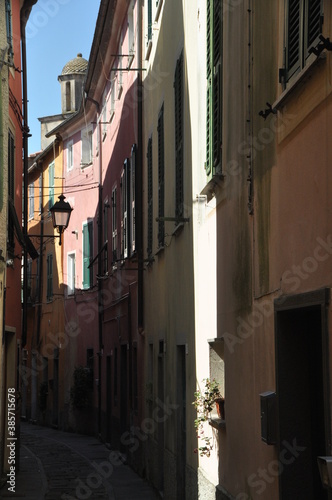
{"points": [[59, 465]]}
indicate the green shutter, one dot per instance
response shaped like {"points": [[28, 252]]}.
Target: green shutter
{"points": [[86, 256], [214, 87], [150, 198], [178, 98], [293, 37], [314, 26], [161, 178], [133, 198], [149, 19]]}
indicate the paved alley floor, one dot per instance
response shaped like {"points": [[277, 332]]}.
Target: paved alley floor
{"points": [[60, 465]]}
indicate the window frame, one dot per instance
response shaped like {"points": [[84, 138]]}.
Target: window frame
{"points": [[161, 177], [124, 184], [87, 254], [179, 136], [303, 45], [71, 277], [70, 155], [149, 156], [31, 198], [9, 30], [86, 146], [114, 226], [132, 201]]}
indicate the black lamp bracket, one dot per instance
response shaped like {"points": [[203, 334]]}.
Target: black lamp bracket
{"points": [[267, 111], [323, 44]]}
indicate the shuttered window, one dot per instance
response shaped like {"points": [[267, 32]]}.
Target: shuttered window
{"points": [[87, 254], [9, 29], [124, 209], [149, 20], [161, 179], [150, 198], [214, 87], [178, 99], [303, 25], [11, 191], [133, 198], [114, 227]]}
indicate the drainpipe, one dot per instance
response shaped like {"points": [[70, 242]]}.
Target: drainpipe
{"points": [[100, 302], [25, 179], [139, 178]]}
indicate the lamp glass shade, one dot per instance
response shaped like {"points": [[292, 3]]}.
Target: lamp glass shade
{"points": [[325, 469], [61, 211]]}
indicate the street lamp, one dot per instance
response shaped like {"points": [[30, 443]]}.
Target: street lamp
{"points": [[61, 211]]}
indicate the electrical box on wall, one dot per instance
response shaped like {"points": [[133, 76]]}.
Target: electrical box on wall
{"points": [[269, 417]]}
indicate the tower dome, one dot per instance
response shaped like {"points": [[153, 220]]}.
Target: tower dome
{"points": [[76, 65], [72, 82]]}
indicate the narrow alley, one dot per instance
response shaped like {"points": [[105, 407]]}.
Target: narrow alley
{"points": [[61, 465]]}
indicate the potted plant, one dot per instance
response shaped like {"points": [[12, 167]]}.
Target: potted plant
{"points": [[204, 401]]}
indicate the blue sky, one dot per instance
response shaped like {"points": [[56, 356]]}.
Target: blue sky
{"points": [[57, 31]]}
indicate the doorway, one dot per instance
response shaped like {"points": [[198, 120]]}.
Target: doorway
{"points": [[302, 390]]}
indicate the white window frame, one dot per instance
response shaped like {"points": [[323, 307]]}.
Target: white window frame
{"points": [[70, 156], [71, 272], [31, 201], [86, 146]]}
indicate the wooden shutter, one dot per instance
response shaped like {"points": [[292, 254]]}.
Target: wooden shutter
{"points": [[217, 78], [114, 228], [11, 191], [87, 254], [161, 178], [178, 98], [314, 23], [293, 36], [133, 198], [150, 197], [149, 19]]}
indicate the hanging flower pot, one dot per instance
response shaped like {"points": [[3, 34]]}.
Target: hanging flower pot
{"points": [[220, 405]]}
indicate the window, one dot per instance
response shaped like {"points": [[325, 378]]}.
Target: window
{"points": [[303, 26], [161, 179], [124, 209], [71, 264], [114, 227], [87, 254], [9, 30], [11, 191], [104, 117], [70, 156], [214, 91], [132, 198], [51, 185], [131, 30], [178, 99], [68, 96], [150, 198], [120, 71], [149, 20], [29, 280], [31, 197], [106, 208], [112, 110], [49, 271], [86, 140]]}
